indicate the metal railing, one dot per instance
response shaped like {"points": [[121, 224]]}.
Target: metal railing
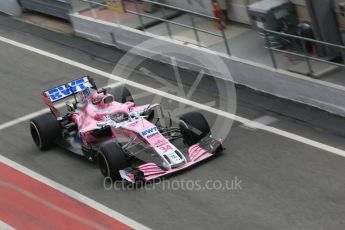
{"points": [[305, 54], [168, 22], [191, 17]]}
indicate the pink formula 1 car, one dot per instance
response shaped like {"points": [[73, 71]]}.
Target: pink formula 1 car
{"points": [[130, 142]]}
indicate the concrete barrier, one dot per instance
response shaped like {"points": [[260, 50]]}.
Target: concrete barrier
{"points": [[10, 7], [324, 95]]}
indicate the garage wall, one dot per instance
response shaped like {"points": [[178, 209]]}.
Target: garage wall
{"points": [[237, 10], [301, 9], [200, 6], [303, 14]]}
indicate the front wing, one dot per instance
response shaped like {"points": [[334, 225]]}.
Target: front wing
{"points": [[207, 148]]}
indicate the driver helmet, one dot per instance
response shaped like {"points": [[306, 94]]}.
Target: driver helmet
{"points": [[97, 98], [102, 100]]}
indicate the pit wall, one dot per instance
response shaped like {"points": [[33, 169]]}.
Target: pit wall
{"points": [[324, 95], [10, 7]]}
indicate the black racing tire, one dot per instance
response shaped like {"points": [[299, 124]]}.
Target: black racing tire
{"points": [[193, 127], [45, 130], [121, 94], [150, 115], [111, 159]]}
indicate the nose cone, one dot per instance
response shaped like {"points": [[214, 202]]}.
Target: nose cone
{"points": [[174, 158]]}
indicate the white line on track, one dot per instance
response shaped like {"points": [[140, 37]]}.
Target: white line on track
{"points": [[73, 194], [244, 121], [264, 120], [4, 226], [25, 118]]}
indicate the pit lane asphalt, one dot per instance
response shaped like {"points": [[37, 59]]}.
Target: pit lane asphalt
{"points": [[285, 184]]}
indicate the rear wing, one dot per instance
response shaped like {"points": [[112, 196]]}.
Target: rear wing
{"points": [[71, 88], [66, 90]]}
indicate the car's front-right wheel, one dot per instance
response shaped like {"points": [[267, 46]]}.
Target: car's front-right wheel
{"points": [[193, 127], [121, 94]]}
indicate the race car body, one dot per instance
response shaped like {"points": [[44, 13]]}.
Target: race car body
{"points": [[128, 141]]}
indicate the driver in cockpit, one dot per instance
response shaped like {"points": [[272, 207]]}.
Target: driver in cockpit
{"points": [[102, 100]]}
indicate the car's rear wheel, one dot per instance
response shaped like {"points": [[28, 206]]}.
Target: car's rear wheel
{"points": [[45, 130], [111, 159], [121, 94], [193, 127]]}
